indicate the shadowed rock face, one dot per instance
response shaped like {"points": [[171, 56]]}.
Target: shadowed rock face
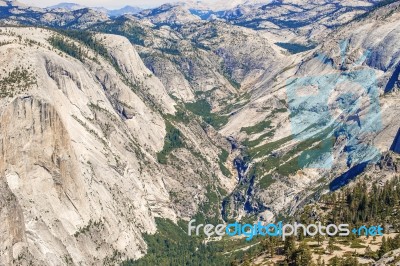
{"points": [[396, 143], [393, 81]]}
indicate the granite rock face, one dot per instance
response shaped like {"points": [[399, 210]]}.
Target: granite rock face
{"points": [[363, 55], [171, 112], [80, 179]]}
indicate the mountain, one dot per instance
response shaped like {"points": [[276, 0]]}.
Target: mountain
{"points": [[101, 97], [169, 14], [267, 143], [112, 13], [116, 131], [67, 6], [13, 13], [223, 5], [127, 10], [303, 20]]}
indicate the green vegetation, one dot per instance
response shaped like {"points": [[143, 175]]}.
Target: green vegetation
{"points": [[237, 103], [88, 39], [356, 205], [19, 79], [258, 128], [92, 225], [170, 50], [173, 140], [223, 157], [254, 143], [2, 43], [279, 110], [124, 27], [357, 244], [275, 158], [388, 244], [267, 149], [179, 116], [289, 162], [266, 181], [233, 82], [68, 47], [172, 246], [209, 210], [203, 108], [349, 261], [300, 256], [361, 205], [65, 42], [295, 48]]}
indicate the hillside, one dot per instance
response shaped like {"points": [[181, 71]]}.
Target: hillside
{"points": [[117, 131]]}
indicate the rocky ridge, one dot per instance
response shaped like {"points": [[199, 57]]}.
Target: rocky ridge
{"points": [[92, 129]]}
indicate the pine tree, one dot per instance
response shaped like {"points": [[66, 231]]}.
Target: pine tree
{"points": [[384, 248], [335, 261], [351, 261], [319, 238], [289, 248], [368, 252], [303, 255], [331, 246]]}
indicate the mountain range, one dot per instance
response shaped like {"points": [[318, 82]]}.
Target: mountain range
{"points": [[118, 127], [112, 13]]}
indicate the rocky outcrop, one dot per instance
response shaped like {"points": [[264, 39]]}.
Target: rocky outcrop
{"points": [[274, 130], [87, 159], [391, 258], [18, 13], [79, 176]]}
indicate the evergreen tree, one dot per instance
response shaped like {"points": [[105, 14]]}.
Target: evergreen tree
{"points": [[384, 248], [289, 249], [335, 261], [351, 261], [331, 246], [368, 252], [303, 255]]}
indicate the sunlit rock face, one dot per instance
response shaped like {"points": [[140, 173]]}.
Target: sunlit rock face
{"points": [[79, 138], [169, 112]]}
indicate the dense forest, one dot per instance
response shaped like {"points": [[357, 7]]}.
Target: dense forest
{"points": [[360, 205]]}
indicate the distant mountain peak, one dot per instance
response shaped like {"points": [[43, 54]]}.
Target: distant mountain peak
{"points": [[112, 13], [221, 5], [126, 10], [67, 6]]}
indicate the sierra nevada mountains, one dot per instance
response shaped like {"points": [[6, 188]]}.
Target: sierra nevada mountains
{"points": [[110, 123]]}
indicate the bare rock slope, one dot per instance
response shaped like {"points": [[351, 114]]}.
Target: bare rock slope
{"points": [[80, 178]]}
